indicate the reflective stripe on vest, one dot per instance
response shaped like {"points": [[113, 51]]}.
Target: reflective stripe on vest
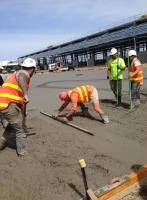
{"points": [[14, 97], [3, 105], [83, 93], [11, 85], [86, 93], [10, 92], [139, 76]]}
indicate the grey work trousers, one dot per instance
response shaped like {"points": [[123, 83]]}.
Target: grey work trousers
{"points": [[14, 116], [135, 92]]}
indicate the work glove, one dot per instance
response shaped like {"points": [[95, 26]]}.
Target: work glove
{"points": [[130, 75], [108, 77]]}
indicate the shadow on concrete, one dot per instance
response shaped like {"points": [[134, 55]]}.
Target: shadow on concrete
{"points": [[71, 185], [112, 103], [87, 115]]}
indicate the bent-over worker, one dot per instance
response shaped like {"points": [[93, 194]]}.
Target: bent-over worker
{"points": [[78, 97]]}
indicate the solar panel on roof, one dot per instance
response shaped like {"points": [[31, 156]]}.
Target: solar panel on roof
{"points": [[107, 37]]}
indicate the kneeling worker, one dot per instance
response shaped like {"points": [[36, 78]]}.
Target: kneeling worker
{"points": [[77, 97]]}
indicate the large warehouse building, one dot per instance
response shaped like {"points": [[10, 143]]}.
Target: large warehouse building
{"points": [[94, 49]]}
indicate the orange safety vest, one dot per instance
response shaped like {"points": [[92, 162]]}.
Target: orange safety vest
{"points": [[11, 92], [83, 91], [139, 76]]}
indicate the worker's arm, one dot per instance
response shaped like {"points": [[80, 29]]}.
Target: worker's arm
{"points": [[132, 74], [74, 105], [63, 106], [23, 79], [121, 65]]}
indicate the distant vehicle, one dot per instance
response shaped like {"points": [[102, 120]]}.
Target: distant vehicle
{"points": [[60, 67], [52, 67], [4, 71]]}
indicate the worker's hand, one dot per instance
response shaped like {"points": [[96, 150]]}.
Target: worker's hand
{"points": [[65, 120], [130, 75], [107, 77], [55, 115], [26, 99]]}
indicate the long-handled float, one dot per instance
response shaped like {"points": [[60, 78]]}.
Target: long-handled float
{"points": [[68, 123]]}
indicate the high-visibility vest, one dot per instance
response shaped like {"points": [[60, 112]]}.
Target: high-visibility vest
{"points": [[10, 92], [139, 76], [83, 91]]}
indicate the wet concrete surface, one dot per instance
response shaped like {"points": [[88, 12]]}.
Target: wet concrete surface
{"points": [[50, 170]]}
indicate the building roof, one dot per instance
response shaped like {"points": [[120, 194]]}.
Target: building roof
{"points": [[131, 29]]}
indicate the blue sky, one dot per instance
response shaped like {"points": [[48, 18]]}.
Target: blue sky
{"points": [[32, 25]]}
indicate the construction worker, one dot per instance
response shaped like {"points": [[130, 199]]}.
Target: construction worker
{"points": [[136, 77], [115, 66], [13, 100], [78, 97]]}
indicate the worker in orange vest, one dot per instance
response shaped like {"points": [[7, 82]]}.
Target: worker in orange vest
{"points": [[136, 77], [13, 100], [78, 97]]}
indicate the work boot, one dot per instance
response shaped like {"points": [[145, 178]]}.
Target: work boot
{"points": [[137, 102], [104, 118], [21, 146]]}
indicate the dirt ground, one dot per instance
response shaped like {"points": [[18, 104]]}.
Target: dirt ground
{"points": [[50, 170]]}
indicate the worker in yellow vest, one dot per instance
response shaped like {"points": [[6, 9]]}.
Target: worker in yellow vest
{"points": [[78, 97], [115, 65], [13, 100], [136, 77]]}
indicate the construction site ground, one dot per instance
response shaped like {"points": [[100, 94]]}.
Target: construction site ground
{"points": [[50, 170]]}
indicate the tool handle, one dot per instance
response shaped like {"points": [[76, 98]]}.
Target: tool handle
{"points": [[69, 124], [83, 165]]}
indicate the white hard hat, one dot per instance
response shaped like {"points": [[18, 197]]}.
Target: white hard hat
{"points": [[113, 51], [132, 53], [28, 63]]}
